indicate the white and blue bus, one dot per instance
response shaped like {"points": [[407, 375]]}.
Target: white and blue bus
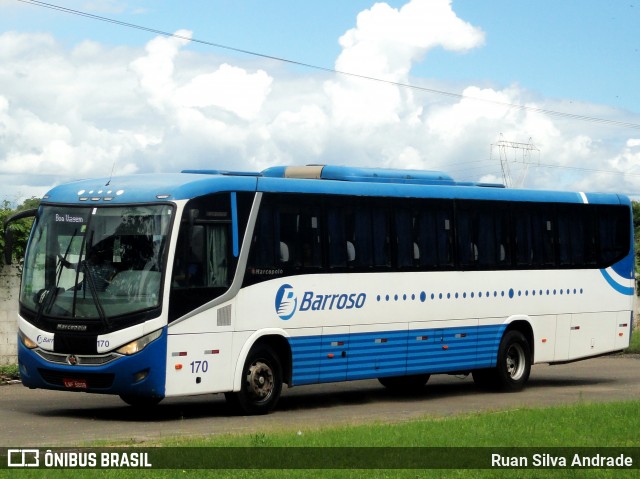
{"points": [[164, 285]]}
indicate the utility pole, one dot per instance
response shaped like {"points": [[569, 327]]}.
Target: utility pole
{"points": [[516, 154]]}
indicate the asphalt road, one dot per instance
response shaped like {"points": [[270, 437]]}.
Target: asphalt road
{"points": [[39, 418]]}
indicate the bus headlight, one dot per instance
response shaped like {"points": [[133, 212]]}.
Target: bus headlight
{"points": [[27, 343], [139, 344]]}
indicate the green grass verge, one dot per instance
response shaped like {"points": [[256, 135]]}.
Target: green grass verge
{"points": [[581, 425], [634, 345]]}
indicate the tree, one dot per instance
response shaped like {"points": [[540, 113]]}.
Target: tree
{"points": [[20, 228]]}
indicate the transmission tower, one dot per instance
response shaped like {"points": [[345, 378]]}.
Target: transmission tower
{"points": [[516, 154]]}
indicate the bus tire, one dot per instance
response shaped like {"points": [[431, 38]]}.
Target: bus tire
{"points": [[140, 401], [404, 384], [261, 382], [513, 366]]}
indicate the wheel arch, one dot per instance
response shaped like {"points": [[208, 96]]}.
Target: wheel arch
{"points": [[276, 339], [523, 325]]}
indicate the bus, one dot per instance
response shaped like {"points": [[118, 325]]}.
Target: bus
{"points": [[207, 281]]}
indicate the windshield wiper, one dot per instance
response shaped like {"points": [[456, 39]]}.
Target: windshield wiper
{"points": [[88, 275], [47, 297], [89, 280]]}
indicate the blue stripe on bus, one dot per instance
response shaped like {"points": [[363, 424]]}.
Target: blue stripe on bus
{"points": [[234, 224], [341, 357], [627, 290]]}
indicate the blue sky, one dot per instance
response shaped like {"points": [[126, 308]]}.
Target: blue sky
{"points": [[79, 93], [582, 50]]}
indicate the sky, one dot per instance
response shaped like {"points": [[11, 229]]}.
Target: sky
{"points": [[547, 89]]}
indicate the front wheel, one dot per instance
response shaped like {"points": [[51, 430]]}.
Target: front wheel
{"points": [[261, 382]]}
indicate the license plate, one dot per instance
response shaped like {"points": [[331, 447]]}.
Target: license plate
{"points": [[75, 383]]}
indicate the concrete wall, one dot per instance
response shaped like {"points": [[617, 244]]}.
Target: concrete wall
{"points": [[9, 290]]}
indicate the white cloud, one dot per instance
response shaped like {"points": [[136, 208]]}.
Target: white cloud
{"points": [[230, 88], [155, 69], [386, 41], [385, 44]]}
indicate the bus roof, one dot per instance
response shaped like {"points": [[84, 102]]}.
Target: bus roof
{"points": [[335, 180]]}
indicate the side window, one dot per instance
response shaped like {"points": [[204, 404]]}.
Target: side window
{"points": [[494, 245], [336, 238], [613, 233], [381, 237], [287, 238], [265, 237], [483, 235], [300, 246], [467, 232], [433, 234], [522, 235], [407, 254], [309, 226], [576, 235], [204, 263], [543, 226], [368, 234]]}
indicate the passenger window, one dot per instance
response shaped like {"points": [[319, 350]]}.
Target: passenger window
{"points": [[433, 233], [368, 239], [614, 233], [336, 237], [543, 232], [407, 251]]}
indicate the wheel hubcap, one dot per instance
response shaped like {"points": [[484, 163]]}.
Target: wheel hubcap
{"points": [[515, 361], [260, 381]]}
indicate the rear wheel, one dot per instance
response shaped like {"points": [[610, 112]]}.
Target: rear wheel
{"points": [[261, 382], [513, 367], [405, 383]]}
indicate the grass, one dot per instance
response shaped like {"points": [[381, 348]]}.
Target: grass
{"points": [[581, 425], [9, 372], [634, 345]]}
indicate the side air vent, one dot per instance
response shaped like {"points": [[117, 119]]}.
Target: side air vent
{"points": [[224, 316]]}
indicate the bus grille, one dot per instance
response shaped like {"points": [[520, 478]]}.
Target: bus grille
{"points": [[224, 316], [94, 380], [82, 360]]}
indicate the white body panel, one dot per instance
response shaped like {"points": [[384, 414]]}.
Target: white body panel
{"points": [[562, 308]]}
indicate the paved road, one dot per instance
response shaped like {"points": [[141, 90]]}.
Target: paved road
{"points": [[50, 418]]}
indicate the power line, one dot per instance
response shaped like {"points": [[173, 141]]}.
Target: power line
{"points": [[542, 165], [558, 114], [590, 170]]}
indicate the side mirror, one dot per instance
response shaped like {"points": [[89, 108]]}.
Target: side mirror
{"points": [[8, 233]]}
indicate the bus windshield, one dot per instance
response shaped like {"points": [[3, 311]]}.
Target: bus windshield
{"points": [[95, 263]]}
